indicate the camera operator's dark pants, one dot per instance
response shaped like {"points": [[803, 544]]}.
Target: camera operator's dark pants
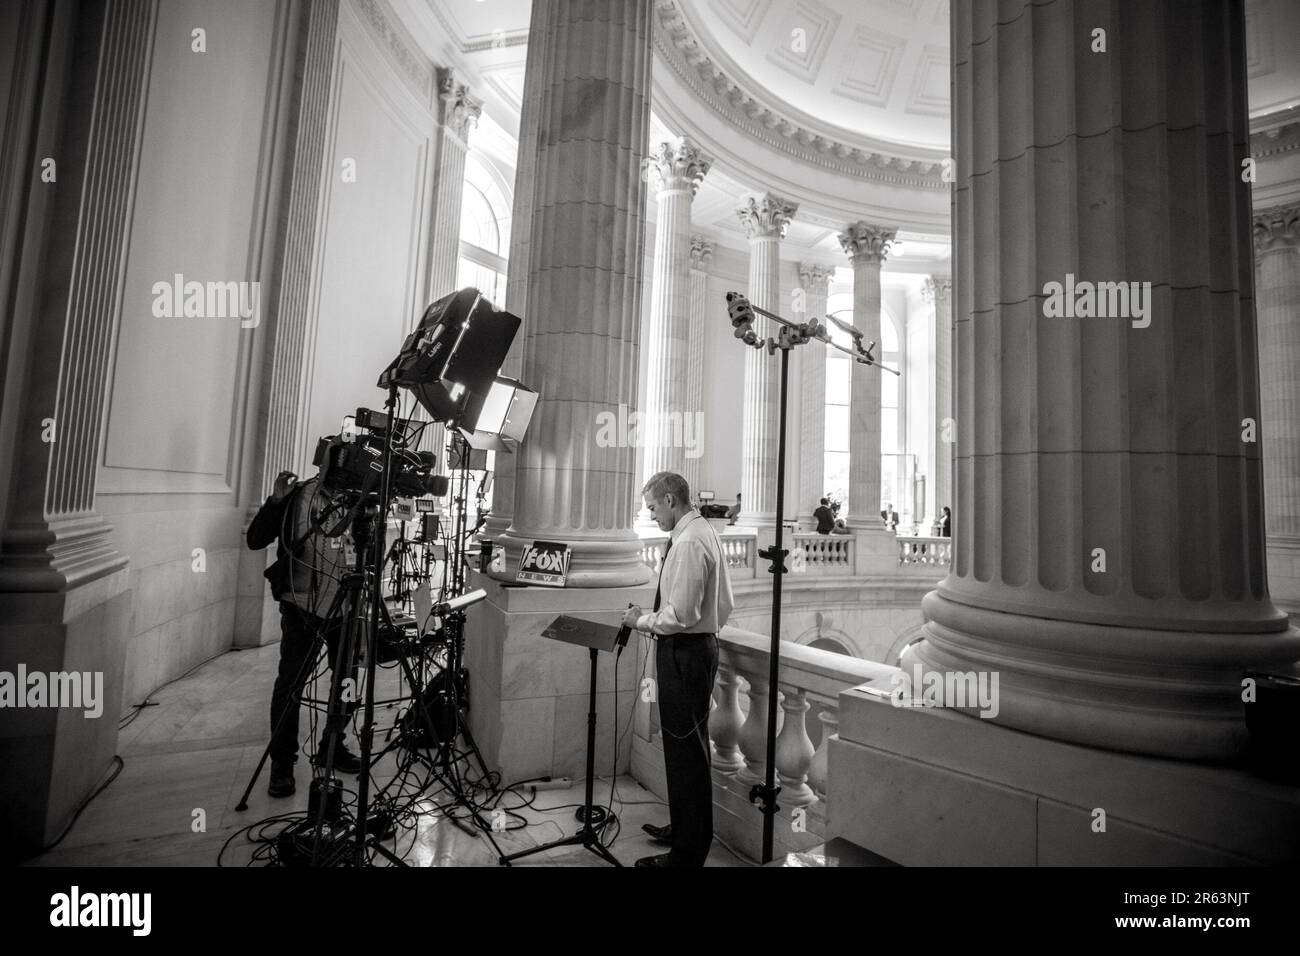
{"points": [[687, 665], [298, 630]]}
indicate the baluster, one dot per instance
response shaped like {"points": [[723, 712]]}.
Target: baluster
{"points": [[726, 721], [753, 735], [830, 720], [794, 750]]}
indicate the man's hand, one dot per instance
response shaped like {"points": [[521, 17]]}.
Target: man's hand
{"points": [[632, 615], [284, 483]]}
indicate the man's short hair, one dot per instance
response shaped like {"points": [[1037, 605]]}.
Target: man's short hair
{"points": [[664, 482], [826, 501]]}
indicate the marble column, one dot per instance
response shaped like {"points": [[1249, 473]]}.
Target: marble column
{"points": [[572, 483], [458, 113], [537, 66], [815, 281], [938, 291], [702, 310], [65, 604], [1277, 291], [1109, 557], [678, 169], [866, 246], [764, 218]]}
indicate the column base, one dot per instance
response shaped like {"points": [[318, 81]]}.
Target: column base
{"points": [[1159, 692], [932, 787], [54, 757], [529, 694]]}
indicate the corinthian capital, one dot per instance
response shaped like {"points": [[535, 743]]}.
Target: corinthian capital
{"points": [[701, 252], [863, 242], [459, 111], [1277, 228], [936, 288], [766, 215], [816, 278], [679, 165]]}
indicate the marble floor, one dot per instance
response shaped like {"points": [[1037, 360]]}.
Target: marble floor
{"points": [[187, 761]]}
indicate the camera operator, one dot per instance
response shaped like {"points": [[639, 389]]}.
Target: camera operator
{"points": [[304, 580]]}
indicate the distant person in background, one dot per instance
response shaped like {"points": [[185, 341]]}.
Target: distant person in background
{"points": [[825, 519], [890, 517], [840, 527], [945, 523], [734, 511]]}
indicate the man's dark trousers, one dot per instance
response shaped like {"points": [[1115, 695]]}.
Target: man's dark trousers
{"points": [[687, 665], [298, 631]]}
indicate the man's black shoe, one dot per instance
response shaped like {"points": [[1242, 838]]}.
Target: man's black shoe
{"points": [[661, 860], [345, 761], [282, 783], [662, 834]]}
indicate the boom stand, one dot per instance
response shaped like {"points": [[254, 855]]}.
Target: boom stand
{"points": [[790, 335]]}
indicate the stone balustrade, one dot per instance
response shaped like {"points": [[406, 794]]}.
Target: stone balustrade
{"points": [[924, 552], [810, 681]]}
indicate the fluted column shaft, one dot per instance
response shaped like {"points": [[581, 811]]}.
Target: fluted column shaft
{"points": [[584, 285], [1277, 289], [536, 90], [700, 312], [764, 219], [54, 539], [1109, 560], [943, 434], [815, 282], [678, 170], [866, 246]]}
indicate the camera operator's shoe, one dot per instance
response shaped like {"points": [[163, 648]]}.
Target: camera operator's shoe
{"points": [[282, 783], [345, 761], [662, 834]]}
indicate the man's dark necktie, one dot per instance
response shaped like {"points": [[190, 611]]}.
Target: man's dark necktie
{"points": [[658, 596]]}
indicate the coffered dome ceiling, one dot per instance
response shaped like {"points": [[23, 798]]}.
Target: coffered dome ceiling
{"points": [[839, 105]]}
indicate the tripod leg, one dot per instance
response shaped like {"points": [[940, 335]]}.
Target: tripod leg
{"points": [[300, 680]]}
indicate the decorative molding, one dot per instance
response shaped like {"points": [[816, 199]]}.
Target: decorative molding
{"points": [[1274, 140], [864, 242], [886, 51], [765, 215], [933, 284], [737, 107], [680, 165], [819, 24], [1277, 228], [458, 111], [499, 41], [398, 43], [701, 253]]}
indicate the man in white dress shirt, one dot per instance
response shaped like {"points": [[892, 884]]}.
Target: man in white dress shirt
{"points": [[692, 603]]}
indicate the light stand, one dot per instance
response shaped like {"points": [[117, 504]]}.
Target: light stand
{"points": [[791, 334]]}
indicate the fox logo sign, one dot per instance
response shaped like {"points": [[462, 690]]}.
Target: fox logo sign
{"points": [[545, 563]]}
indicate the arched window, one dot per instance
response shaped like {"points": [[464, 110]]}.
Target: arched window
{"points": [[484, 231]]}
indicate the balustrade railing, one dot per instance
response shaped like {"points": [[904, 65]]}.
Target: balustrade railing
{"points": [[810, 680], [925, 552]]}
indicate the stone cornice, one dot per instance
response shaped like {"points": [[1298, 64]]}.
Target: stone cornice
{"points": [[735, 105], [1275, 141], [399, 45], [765, 215]]}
